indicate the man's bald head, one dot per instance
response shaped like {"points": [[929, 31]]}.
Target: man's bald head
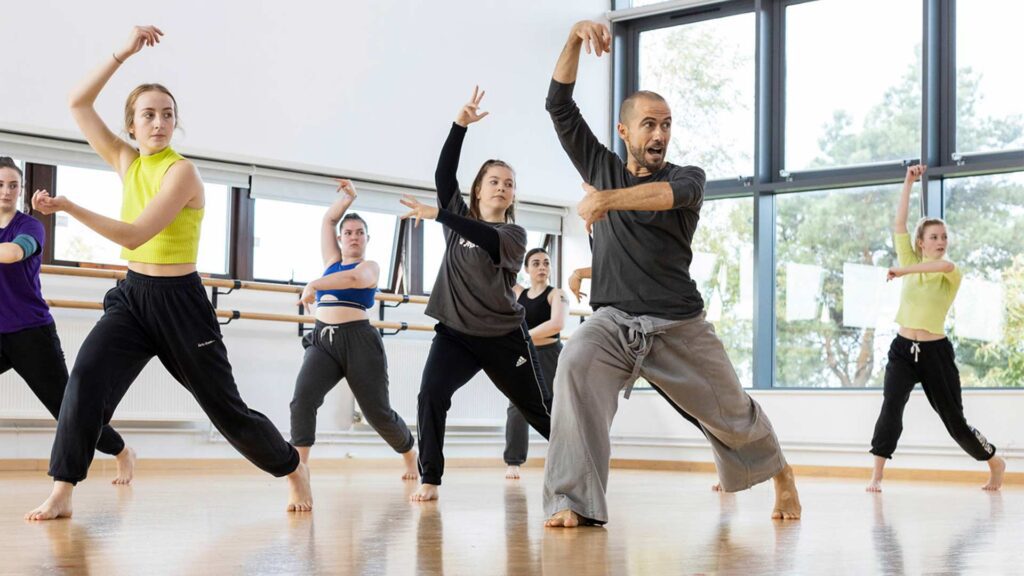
{"points": [[629, 104]]}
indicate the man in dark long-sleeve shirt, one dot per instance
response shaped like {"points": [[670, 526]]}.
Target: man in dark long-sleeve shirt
{"points": [[649, 315]]}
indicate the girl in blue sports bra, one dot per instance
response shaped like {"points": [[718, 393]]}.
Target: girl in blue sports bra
{"points": [[343, 343]]}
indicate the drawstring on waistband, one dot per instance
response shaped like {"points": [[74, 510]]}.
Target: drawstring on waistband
{"points": [[329, 330], [639, 333], [915, 349]]}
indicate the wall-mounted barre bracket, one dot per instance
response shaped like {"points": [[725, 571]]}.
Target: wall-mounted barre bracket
{"points": [[382, 305], [404, 326], [302, 326], [235, 315], [215, 291]]}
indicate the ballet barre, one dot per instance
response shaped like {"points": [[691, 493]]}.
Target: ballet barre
{"points": [[386, 300], [239, 315]]}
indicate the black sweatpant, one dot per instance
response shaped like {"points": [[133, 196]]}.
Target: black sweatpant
{"points": [[933, 364], [353, 351], [35, 354], [170, 318], [517, 431], [510, 361]]}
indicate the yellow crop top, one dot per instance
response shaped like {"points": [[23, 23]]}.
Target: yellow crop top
{"points": [[178, 243], [926, 298]]}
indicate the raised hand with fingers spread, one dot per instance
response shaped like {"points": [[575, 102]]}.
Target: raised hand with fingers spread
{"points": [[417, 210], [470, 112]]}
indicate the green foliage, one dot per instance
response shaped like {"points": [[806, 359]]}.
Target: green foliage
{"points": [[828, 229]]}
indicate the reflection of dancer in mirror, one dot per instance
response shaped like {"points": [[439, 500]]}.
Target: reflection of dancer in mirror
{"points": [[921, 352], [546, 310], [649, 319], [480, 326], [161, 308], [29, 343], [343, 343]]}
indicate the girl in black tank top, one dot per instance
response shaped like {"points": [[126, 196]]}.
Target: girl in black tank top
{"points": [[545, 317], [538, 310]]}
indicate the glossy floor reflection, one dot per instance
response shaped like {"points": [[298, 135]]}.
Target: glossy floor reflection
{"points": [[662, 523]]}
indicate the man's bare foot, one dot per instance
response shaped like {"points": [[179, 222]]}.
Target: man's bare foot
{"points": [[717, 487], [300, 497], [125, 466], [424, 493], [787, 500], [412, 470], [564, 519], [58, 505], [512, 472], [997, 468]]}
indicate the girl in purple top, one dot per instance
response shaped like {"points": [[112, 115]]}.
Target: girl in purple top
{"points": [[28, 337]]}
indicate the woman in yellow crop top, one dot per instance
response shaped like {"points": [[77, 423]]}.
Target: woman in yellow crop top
{"points": [[161, 308], [921, 352]]}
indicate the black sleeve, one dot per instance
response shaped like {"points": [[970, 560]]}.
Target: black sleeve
{"points": [[445, 176], [588, 155], [687, 184], [477, 232]]}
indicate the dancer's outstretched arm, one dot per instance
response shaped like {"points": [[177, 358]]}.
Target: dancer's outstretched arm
{"points": [[329, 250], [914, 173], [114, 151]]}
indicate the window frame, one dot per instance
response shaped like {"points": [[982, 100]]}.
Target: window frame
{"points": [[938, 134]]}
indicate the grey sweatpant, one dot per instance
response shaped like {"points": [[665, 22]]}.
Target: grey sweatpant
{"points": [[686, 361], [353, 351]]}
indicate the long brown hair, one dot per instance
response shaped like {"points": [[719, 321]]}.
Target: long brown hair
{"points": [[133, 96], [474, 193]]}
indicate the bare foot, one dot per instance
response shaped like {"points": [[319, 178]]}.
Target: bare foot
{"points": [[717, 487], [877, 471], [997, 468], [564, 519], [412, 470], [512, 473], [787, 500], [58, 505], [875, 485], [300, 497], [424, 493], [125, 466]]}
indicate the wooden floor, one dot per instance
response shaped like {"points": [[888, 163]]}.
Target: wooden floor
{"points": [[662, 523]]}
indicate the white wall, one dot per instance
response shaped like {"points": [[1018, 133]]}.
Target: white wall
{"points": [[370, 87], [357, 88]]}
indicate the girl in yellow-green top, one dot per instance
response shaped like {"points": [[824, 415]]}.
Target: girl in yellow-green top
{"points": [[161, 308], [921, 352]]}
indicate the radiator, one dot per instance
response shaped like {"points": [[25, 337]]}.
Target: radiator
{"points": [[154, 396]]}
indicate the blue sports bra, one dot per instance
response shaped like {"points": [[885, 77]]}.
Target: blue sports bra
{"points": [[361, 298]]}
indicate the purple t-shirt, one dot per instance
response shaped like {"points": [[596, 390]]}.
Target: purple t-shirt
{"points": [[21, 298]]}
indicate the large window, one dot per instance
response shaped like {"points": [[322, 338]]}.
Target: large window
{"points": [[986, 223], [835, 309], [706, 72], [213, 236], [853, 82], [433, 252], [434, 247], [101, 191], [723, 267], [286, 246], [792, 261], [989, 102]]}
